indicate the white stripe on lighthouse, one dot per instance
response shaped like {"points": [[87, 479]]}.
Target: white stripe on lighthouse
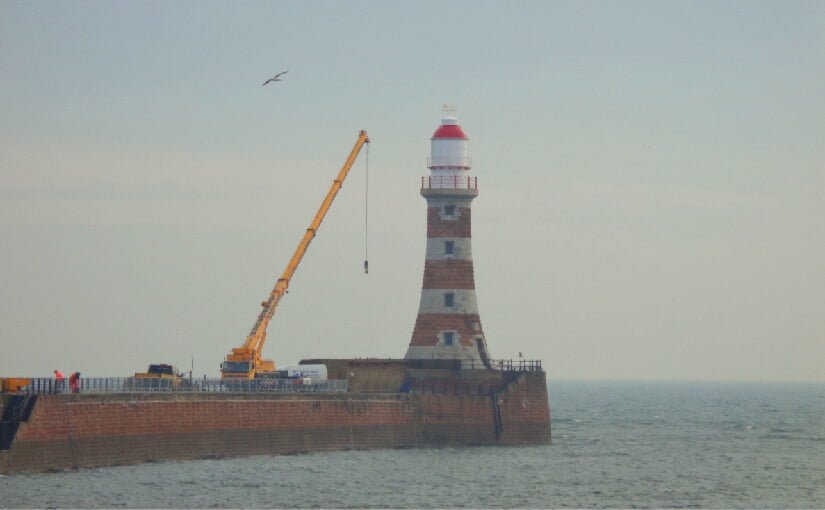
{"points": [[437, 248], [434, 301]]}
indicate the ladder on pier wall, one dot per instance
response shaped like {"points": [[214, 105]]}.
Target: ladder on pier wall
{"points": [[498, 426]]}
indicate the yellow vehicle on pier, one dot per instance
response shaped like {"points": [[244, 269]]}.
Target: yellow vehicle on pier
{"points": [[13, 384]]}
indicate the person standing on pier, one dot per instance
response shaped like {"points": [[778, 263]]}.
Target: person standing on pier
{"points": [[58, 381], [74, 382]]}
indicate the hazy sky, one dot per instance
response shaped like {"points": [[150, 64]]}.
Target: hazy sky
{"points": [[651, 174]]}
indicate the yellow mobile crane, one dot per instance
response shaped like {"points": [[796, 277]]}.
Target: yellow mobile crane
{"points": [[245, 362]]}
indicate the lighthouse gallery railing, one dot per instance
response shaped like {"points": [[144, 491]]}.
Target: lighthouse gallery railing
{"points": [[449, 182]]}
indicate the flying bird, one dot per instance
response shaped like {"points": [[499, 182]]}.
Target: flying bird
{"points": [[277, 77]]}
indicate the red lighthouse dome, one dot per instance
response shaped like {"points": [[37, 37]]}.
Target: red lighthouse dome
{"points": [[449, 128]]}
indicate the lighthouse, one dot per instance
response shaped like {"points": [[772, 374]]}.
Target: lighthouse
{"points": [[448, 325]]}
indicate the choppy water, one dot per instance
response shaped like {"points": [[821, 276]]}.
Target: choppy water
{"points": [[615, 445]]}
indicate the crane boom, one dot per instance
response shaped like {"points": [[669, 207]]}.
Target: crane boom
{"points": [[245, 361]]}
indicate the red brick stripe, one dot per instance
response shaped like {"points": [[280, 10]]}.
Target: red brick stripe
{"points": [[448, 274], [427, 327], [459, 227]]}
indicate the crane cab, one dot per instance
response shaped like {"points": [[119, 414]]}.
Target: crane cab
{"points": [[237, 370], [245, 369]]}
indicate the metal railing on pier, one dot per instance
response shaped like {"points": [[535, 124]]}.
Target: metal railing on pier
{"points": [[504, 365], [48, 385], [517, 365]]}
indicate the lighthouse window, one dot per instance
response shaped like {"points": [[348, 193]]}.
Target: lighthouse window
{"points": [[449, 210], [448, 299], [448, 338], [449, 247]]}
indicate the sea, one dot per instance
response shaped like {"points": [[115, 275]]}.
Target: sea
{"points": [[615, 444]]}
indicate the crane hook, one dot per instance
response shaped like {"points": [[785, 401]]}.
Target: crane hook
{"points": [[366, 209]]}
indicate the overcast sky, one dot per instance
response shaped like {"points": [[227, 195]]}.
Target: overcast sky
{"points": [[651, 174]]}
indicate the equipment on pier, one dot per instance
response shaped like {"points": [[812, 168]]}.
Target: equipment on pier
{"points": [[13, 384], [160, 371]]}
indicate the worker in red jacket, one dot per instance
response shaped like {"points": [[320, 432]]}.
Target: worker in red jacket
{"points": [[74, 382], [58, 381]]}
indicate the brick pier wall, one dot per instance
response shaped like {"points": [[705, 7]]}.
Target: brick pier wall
{"points": [[69, 431]]}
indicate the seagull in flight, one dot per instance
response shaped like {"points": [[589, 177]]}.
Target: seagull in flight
{"points": [[277, 77]]}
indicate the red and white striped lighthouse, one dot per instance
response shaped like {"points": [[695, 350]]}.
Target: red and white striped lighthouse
{"points": [[448, 326]]}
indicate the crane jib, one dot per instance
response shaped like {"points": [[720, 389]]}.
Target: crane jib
{"points": [[250, 351]]}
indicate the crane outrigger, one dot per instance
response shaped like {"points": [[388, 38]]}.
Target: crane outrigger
{"points": [[245, 362]]}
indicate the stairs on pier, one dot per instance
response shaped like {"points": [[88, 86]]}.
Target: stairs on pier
{"points": [[17, 410]]}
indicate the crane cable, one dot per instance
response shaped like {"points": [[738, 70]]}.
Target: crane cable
{"points": [[366, 210]]}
